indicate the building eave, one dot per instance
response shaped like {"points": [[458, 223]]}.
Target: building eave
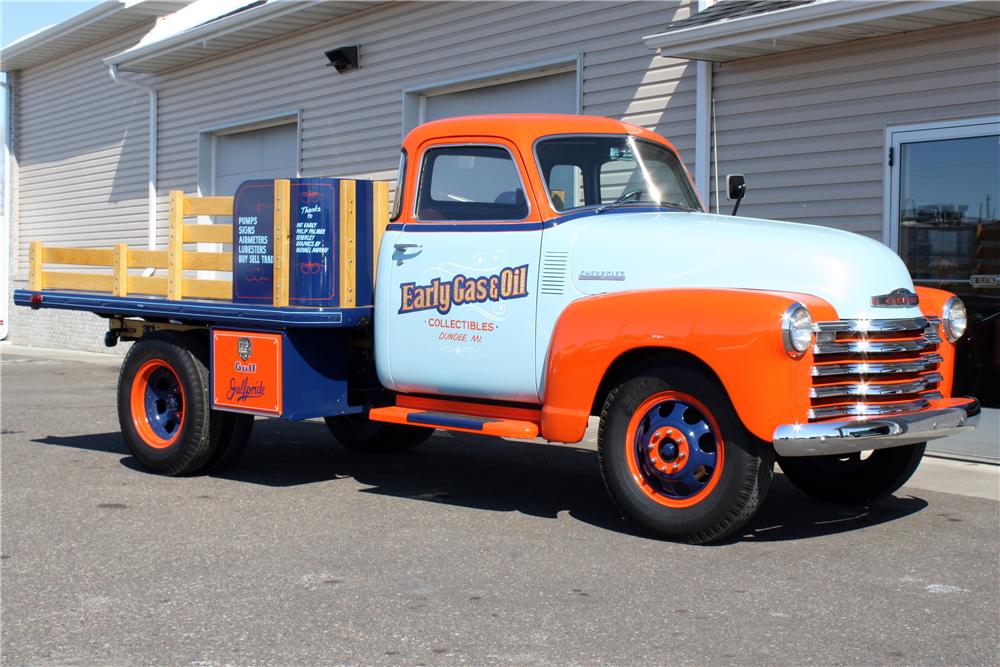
{"points": [[100, 22], [229, 33], [822, 23]]}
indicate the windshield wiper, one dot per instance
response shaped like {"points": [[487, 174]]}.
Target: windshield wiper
{"points": [[669, 204]]}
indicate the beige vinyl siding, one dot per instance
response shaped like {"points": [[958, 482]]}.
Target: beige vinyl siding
{"points": [[351, 124], [82, 153], [808, 128]]}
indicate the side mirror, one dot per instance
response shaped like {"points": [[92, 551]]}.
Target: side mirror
{"points": [[736, 188]]}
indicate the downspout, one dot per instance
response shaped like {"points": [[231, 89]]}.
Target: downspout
{"points": [[703, 126], [7, 202], [151, 230]]}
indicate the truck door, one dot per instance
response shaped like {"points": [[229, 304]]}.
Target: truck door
{"points": [[461, 300]]}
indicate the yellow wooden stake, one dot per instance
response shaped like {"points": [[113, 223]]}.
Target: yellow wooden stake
{"points": [[348, 243], [282, 239], [380, 218], [120, 270], [36, 266], [175, 247]]}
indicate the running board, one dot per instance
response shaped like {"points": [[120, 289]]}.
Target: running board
{"points": [[453, 421]]}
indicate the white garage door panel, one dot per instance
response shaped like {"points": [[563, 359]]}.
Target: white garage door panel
{"points": [[547, 94], [271, 152]]}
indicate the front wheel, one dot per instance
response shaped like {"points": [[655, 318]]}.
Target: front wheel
{"points": [[853, 479], [360, 433], [676, 458]]}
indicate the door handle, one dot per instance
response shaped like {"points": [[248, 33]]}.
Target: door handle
{"points": [[406, 246]]}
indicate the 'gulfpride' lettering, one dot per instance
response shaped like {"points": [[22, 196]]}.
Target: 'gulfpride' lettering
{"points": [[242, 391], [510, 283]]}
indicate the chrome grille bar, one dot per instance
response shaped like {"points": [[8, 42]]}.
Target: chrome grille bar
{"points": [[867, 409], [878, 368], [864, 326], [872, 346], [871, 389]]}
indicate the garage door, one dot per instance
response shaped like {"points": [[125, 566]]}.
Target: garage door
{"points": [[270, 152], [555, 93]]}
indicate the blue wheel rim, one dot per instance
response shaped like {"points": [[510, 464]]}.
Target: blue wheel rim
{"points": [[675, 447], [164, 403]]}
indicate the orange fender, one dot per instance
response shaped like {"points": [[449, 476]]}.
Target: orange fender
{"points": [[932, 305], [736, 333]]}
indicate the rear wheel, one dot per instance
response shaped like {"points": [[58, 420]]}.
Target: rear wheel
{"points": [[163, 406], [233, 438], [360, 433], [676, 458], [852, 478]]}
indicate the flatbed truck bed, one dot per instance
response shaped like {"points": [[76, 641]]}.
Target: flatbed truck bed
{"points": [[215, 313]]}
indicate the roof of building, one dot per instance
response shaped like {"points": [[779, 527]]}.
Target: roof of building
{"points": [[209, 28], [100, 22], [733, 9], [739, 29]]}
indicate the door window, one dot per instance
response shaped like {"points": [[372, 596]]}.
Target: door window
{"points": [[470, 183], [944, 220], [949, 223]]}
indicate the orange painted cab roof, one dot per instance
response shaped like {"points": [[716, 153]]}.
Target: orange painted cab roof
{"points": [[522, 129]]}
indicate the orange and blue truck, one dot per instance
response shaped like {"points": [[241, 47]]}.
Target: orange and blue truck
{"points": [[532, 272]]}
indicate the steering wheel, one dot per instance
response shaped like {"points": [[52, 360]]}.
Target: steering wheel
{"points": [[631, 193]]}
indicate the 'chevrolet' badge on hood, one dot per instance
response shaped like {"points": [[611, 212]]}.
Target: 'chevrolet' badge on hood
{"points": [[897, 298]]}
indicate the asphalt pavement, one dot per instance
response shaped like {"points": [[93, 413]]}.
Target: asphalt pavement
{"points": [[464, 551]]}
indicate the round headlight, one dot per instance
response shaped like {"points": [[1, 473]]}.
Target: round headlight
{"points": [[796, 330], [954, 318]]}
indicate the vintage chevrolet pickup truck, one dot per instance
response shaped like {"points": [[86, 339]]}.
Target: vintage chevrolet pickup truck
{"points": [[533, 272]]}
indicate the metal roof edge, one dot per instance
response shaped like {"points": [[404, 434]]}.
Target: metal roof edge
{"points": [[20, 50], [820, 15], [38, 38], [200, 33]]}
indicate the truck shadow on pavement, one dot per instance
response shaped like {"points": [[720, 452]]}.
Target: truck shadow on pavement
{"points": [[540, 480]]}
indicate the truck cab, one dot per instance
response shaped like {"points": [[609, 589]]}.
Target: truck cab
{"points": [[549, 261]]}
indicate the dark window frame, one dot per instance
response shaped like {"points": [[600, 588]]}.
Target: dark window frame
{"points": [[423, 185], [397, 204]]}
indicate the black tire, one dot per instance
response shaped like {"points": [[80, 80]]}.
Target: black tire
{"points": [[359, 433], [233, 439], [174, 441], [670, 502], [230, 431], [850, 479]]}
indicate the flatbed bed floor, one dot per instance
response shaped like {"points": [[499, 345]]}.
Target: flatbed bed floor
{"points": [[221, 313]]}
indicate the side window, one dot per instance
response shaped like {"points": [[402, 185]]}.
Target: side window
{"points": [[397, 203], [566, 186], [470, 183]]}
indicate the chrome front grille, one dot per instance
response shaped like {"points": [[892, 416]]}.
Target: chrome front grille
{"points": [[874, 367]]}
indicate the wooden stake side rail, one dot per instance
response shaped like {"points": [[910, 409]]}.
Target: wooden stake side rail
{"points": [[175, 260]]}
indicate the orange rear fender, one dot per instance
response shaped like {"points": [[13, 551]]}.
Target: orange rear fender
{"points": [[736, 333]]}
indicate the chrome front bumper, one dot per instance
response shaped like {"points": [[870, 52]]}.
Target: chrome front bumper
{"points": [[845, 437]]}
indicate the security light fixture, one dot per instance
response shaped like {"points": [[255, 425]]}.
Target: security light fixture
{"points": [[344, 58]]}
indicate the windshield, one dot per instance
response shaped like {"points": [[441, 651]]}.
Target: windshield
{"points": [[606, 171]]}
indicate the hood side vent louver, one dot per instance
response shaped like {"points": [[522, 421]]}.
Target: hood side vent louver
{"points": [[555, 269]]}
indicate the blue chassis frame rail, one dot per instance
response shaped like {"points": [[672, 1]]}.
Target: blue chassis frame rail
{"points": [[213, 313]]}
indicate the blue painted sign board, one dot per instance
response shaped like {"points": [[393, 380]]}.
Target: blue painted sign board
{"points": [[314, 243], [253, 242]]}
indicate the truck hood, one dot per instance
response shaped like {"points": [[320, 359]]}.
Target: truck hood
{"points": [[618, 251]]}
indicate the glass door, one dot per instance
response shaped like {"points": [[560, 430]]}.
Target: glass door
{"points": [[944, 220]]}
